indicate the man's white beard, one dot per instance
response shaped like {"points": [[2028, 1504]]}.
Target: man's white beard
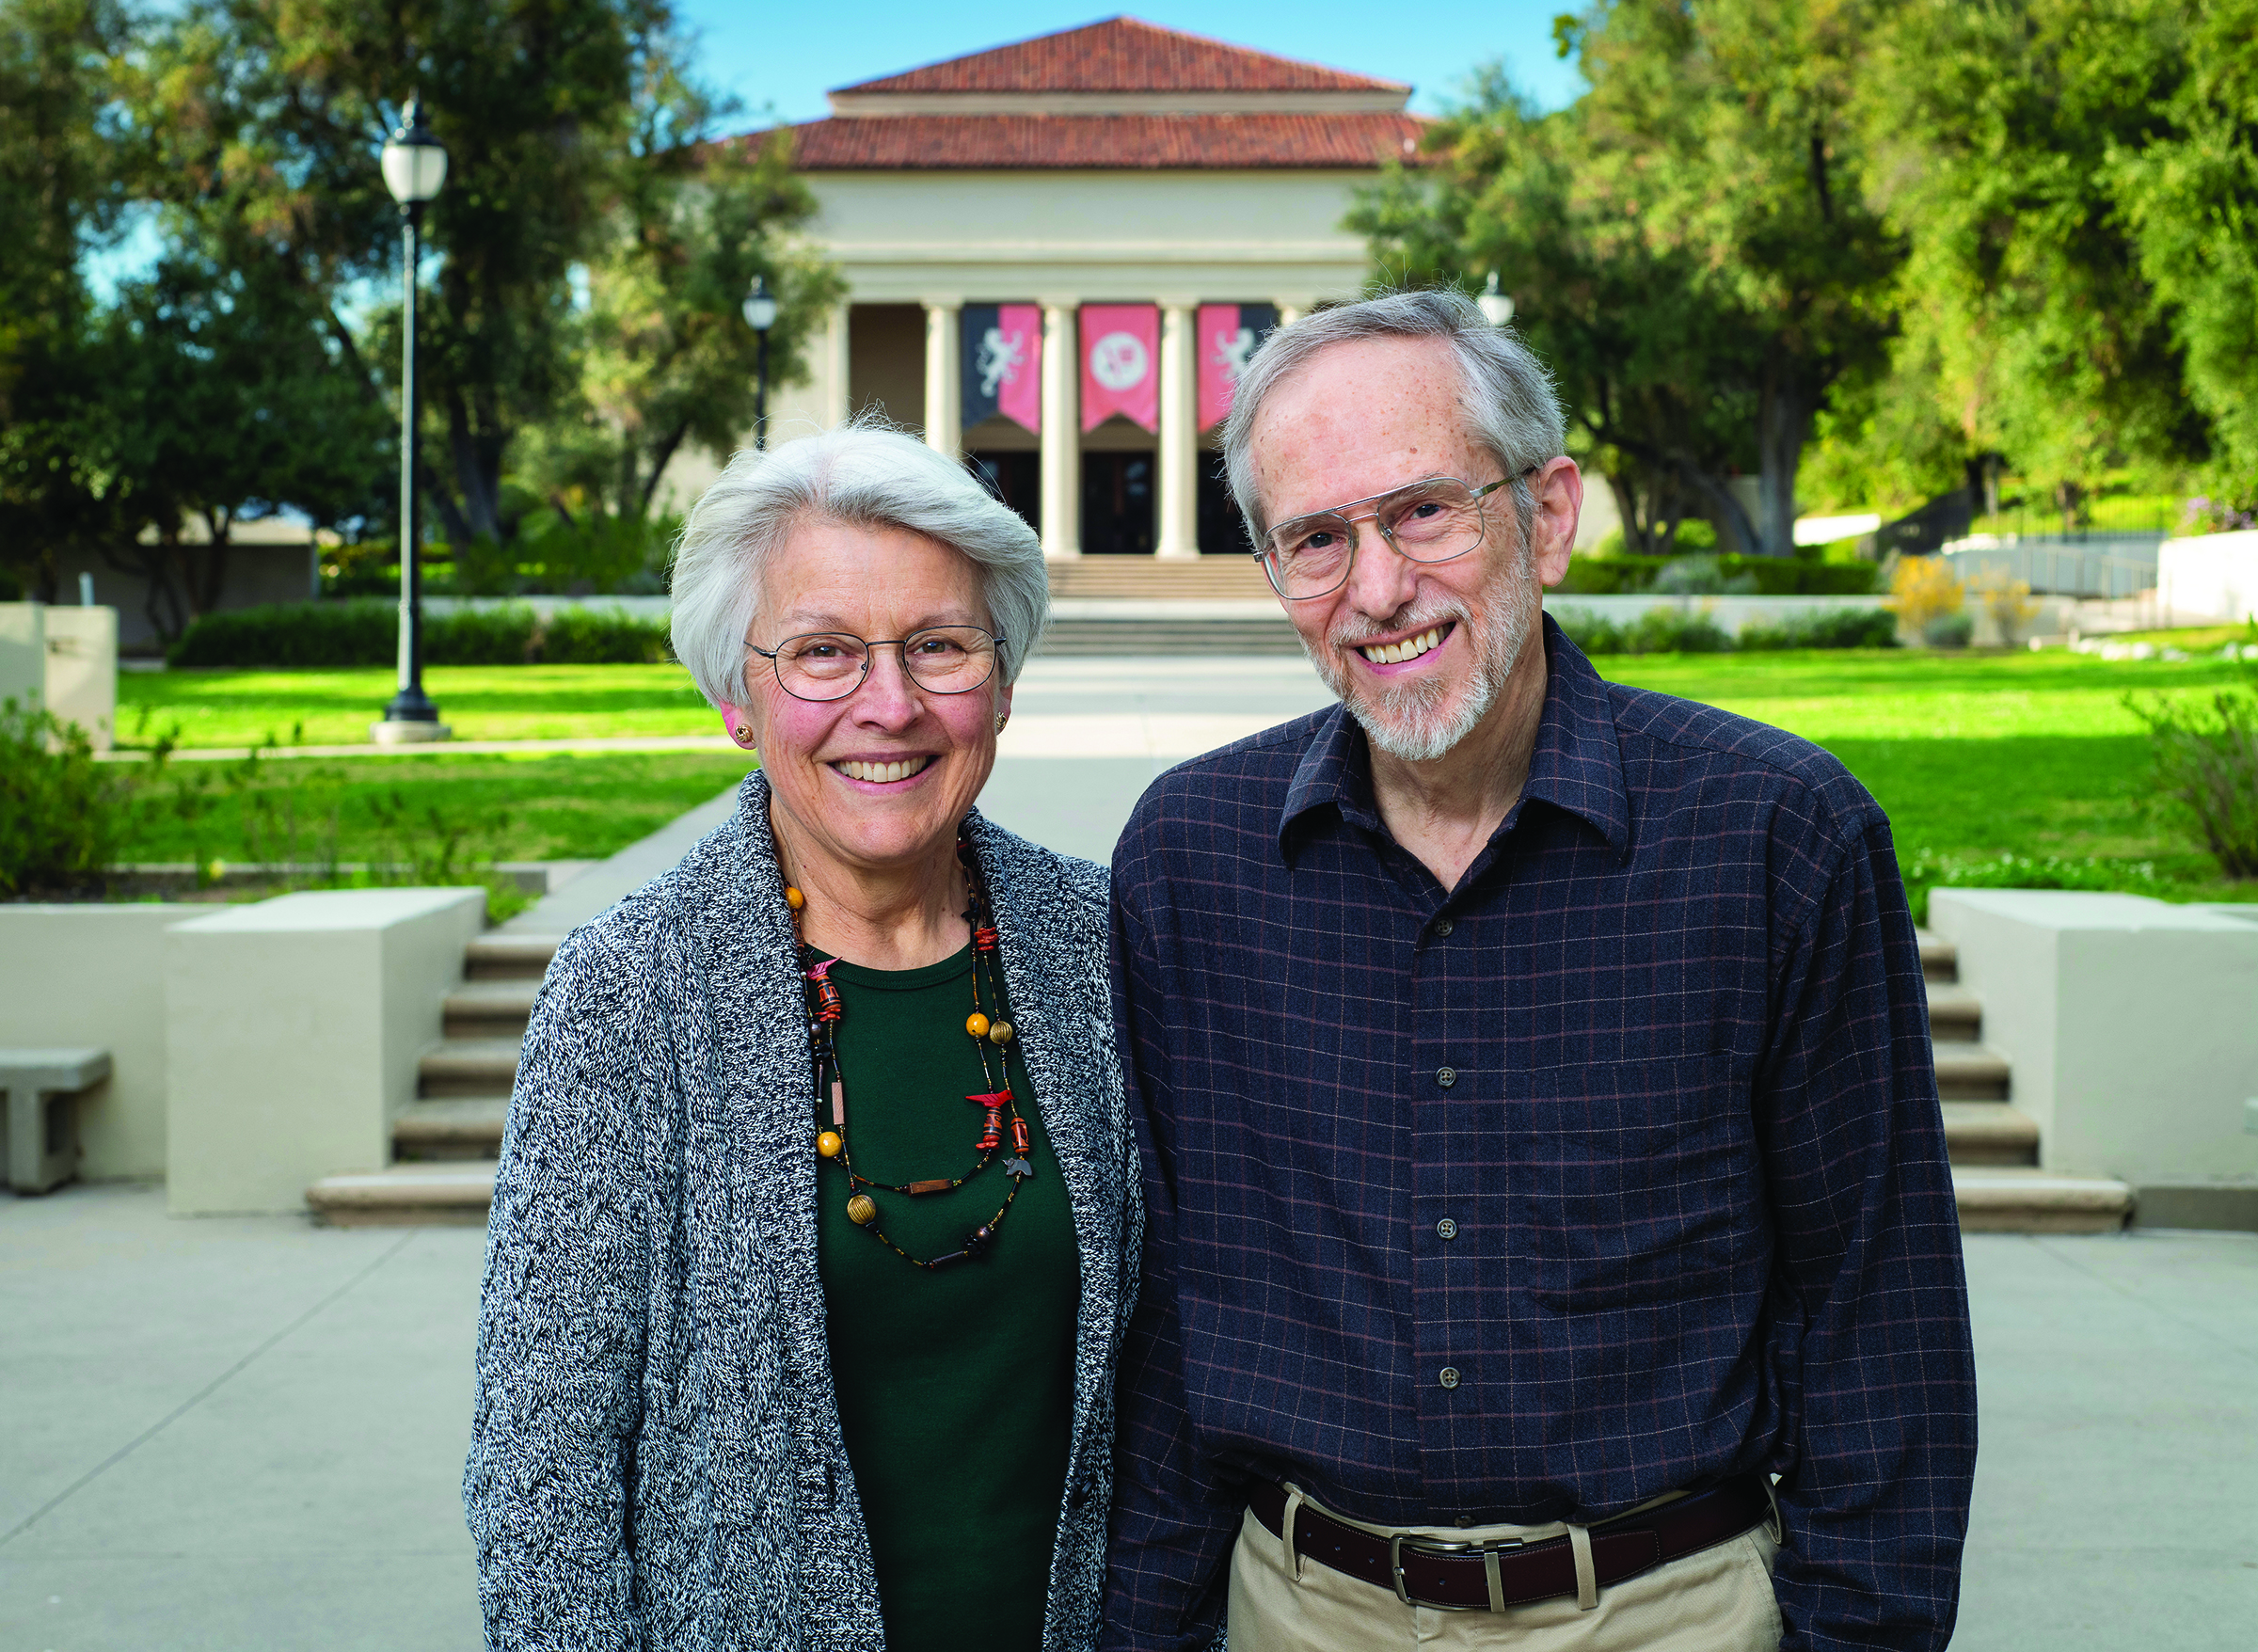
{"points": [[1424, 718]]}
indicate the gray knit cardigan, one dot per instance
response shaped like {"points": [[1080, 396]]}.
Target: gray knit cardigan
{"points": [[656, 1458]]}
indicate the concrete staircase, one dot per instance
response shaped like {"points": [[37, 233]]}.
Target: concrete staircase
{"points": [[444, 1146], [1994, 1145], [1140, 605]]}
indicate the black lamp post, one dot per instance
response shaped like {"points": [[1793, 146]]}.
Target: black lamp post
{"points": [[761, 315], [414, 167]]}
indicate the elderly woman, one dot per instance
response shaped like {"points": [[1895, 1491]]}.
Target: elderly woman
{"points": [[814, 1234]]}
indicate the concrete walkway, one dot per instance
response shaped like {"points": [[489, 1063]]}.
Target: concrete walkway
{"points": [[249, 1432]]}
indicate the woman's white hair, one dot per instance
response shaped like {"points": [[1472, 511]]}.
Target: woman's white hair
{"points": [[863, 473], [1504, 392]]}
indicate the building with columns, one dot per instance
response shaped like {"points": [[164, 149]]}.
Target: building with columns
{"points": [[1057, 253]]}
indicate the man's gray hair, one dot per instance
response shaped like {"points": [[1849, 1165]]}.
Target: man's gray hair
{"points": [[862, 473], [1504, 391]]}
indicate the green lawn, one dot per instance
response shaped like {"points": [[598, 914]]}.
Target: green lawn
{"points": [[478, 702], [554, 806], [1972, 754]]}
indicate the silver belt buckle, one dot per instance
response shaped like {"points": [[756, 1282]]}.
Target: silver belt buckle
{"points": [[1441, 1546]]}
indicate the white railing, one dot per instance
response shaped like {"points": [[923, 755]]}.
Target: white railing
{"points": [[2058, 568]]}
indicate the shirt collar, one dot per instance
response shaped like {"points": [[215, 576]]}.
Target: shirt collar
{"points": [[1577, 764]]}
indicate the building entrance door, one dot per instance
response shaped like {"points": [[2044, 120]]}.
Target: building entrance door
{"points": [[1117, 504], [1016, 478]]}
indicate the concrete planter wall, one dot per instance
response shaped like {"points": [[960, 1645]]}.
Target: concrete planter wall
{"points": [[67, 659], [2132, 1025], [94, 976], [294, 1027], [2212, 576]]}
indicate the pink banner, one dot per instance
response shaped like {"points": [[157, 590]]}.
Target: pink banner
{"points": [[1121, 364], [1019, 390], [1226, 336]]}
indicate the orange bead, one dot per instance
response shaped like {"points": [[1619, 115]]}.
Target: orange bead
{"points": [[829, 1144], [977, 1025], [793, 898]]}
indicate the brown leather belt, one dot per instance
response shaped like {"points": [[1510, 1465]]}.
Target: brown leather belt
{"points": [[1435, 1571]]}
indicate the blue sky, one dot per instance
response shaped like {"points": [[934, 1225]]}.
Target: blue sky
{"points": [[784, 58]]}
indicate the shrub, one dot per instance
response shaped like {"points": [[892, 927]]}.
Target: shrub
{"points": [[366, 632], [1923, 588], [2008, 601], [62, 816], [1949, 631], [2209, 771], [1929, 870], [476, 636], [1589, 631], [1827, 628], [602, 636], [1772, 575], [1701, 576], [1669, 630]]}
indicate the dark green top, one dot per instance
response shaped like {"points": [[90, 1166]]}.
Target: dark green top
{"points": [[955, 1388]]}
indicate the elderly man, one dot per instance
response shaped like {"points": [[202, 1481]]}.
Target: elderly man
{"points": [[1551, 1239]]}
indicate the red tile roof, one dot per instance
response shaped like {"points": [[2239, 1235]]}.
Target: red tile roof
{"points": [[964, 143], [1122, 54]]}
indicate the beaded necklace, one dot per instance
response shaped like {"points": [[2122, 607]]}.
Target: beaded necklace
{"points": [[990, 1036]]}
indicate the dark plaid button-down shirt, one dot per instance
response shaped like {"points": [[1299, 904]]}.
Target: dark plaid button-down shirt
{"points": [[1617, 1169]]}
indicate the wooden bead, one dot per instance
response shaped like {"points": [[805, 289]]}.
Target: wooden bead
{"points": [[829, 1143], [793, 898], [862, 1210], [977, 1025], [1000, 1033]]}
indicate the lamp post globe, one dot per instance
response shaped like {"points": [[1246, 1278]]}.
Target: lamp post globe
{"points": [[415, 168], [761, 315], [1496, 307]]}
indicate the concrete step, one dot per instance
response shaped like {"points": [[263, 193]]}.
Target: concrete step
{"points": [[1940, 958], [405, 1196], [469, 1066], [1955, 1014], [1161, 636], [1990, 1134], [509, 958], [2008, 1200], [1205, 578], [466, 1127], [1964, 1073], [499, 1008]]}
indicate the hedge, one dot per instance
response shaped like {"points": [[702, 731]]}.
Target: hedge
{"points": [[366, 632], [1772, 575], [1671, 630]]}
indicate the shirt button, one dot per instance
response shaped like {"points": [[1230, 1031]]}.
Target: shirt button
{"points": [[1449, 1378], [1446, 1076], [1444, 925], [1447, 1229]]}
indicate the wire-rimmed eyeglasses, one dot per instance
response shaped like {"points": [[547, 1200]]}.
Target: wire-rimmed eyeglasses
{"points": [[831, 665], [1435, 520]]}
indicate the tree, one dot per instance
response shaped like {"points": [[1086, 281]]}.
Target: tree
{"points": [[1644, 363], [669, 358], [226, 404], [2188, 197], [59, 195], [1999, 133]]}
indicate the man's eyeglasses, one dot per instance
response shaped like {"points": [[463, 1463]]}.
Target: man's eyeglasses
{"points": [[1435, 520], [831, 665]]}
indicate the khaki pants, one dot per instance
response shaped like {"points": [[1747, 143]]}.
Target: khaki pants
{"points": [[1716, 1599]]}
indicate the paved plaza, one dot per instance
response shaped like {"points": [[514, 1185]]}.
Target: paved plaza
{"points": [[247, 1433]]}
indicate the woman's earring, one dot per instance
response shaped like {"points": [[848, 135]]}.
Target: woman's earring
{"points": [[741, 733]]}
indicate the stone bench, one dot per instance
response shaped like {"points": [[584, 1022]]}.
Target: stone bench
{"points": [[39, 1149]]}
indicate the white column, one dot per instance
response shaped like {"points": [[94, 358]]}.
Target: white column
{"points": [[834, 371], [1061, 429], [1287, 313], [1179, 524], [944, 405]]}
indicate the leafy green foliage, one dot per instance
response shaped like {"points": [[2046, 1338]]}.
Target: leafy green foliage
{"points": [[1926, 870], [1628, 576], [62, 815], [1829, 628], [2207, 767], [366, 632]]}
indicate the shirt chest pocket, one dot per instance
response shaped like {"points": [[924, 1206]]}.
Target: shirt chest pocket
{"points": [[1636, 1184]]}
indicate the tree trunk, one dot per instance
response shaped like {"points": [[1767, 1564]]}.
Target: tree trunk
{"points": [[1726, 512], [1783, 422]]}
